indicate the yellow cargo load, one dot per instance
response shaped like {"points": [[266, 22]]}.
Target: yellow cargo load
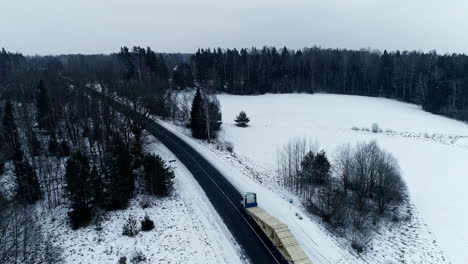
{"points": [[280, 235]]}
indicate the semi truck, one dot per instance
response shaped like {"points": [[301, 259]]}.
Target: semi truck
{"points": [[277, 232]]}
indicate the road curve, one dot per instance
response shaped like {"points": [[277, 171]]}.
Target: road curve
{"points": [[224, 197]]}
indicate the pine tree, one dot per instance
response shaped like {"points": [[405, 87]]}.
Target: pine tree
{"points": [[118, 163], [79, 187], [307, 166], [97, 187], [29, 189], [53, 146], [242, 120], [183, 76], [35, 145], [214, 117], [43, 107], [64, 149], [10, 132], [321, 168], [198, 119], [158, 176]]}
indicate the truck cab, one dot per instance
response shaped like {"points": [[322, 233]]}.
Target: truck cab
{"points": [[249, 200]]}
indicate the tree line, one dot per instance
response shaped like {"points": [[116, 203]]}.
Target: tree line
{"points": [[437, 82], [63, 147]]}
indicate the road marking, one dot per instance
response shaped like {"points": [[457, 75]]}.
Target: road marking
{"points": [[230, 201]]}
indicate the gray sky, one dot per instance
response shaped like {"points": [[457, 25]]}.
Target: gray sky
{"points": [[102, 26]]}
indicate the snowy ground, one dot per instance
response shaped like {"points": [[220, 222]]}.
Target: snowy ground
{"points": [[431, 151], [188, 229]]}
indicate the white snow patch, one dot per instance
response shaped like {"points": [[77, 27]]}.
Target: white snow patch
{"points": [[188, 228], [433, 166]]}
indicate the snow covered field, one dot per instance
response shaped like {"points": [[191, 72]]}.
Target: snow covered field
{"points": [[435, 169], [432, 152], [188, 229]]}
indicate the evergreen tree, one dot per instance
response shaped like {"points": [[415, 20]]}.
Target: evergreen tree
{"points": [[29, 189], [97, 187], [307, 166], [79, 187], [118, 163], [182, 76], [242, 120], [43, 107], [214, 117], [315, 168], [10, 132], [35, 145], [53, 145], [321, 168], [2, 163], [158, 176], [385, 75], [198, 119], [64, 149]]}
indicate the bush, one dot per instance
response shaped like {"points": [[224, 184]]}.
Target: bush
{"points": [[359, 240], [147, 224], [122, 260], [80, 217], [145, 203], [375, 128], [130, 227], [98, 223], [137, 257], [229, 146]]}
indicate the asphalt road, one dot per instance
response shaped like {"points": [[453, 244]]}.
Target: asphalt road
{"points": [[225, 198]]}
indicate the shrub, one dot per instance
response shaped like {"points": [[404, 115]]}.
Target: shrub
{"points": [[359, 240], [375, 128], [145, 203], [122, 260], [147, 224], [137, 257], [80, 217], [130, 227], [98, 223], [229, 146]]}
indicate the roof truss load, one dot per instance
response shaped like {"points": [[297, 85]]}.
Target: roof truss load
{"points": [[280, 235]]}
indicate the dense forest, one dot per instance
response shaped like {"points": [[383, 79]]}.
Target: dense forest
{"points": [[64, 148], [437, 82]]}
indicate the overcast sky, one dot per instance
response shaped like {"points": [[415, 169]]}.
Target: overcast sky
{"points": [[102, 26]]}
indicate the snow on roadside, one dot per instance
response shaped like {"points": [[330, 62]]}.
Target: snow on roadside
{"points": [[317, 243], [188, 228], [406, 241], [431, 149]]}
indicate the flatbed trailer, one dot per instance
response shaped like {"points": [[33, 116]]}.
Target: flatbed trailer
{"points": [[278, 232]]}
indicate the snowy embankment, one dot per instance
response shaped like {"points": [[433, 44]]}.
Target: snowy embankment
{"points": [[434, 165], [431, 151], [320, 247], [188, 228]]}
